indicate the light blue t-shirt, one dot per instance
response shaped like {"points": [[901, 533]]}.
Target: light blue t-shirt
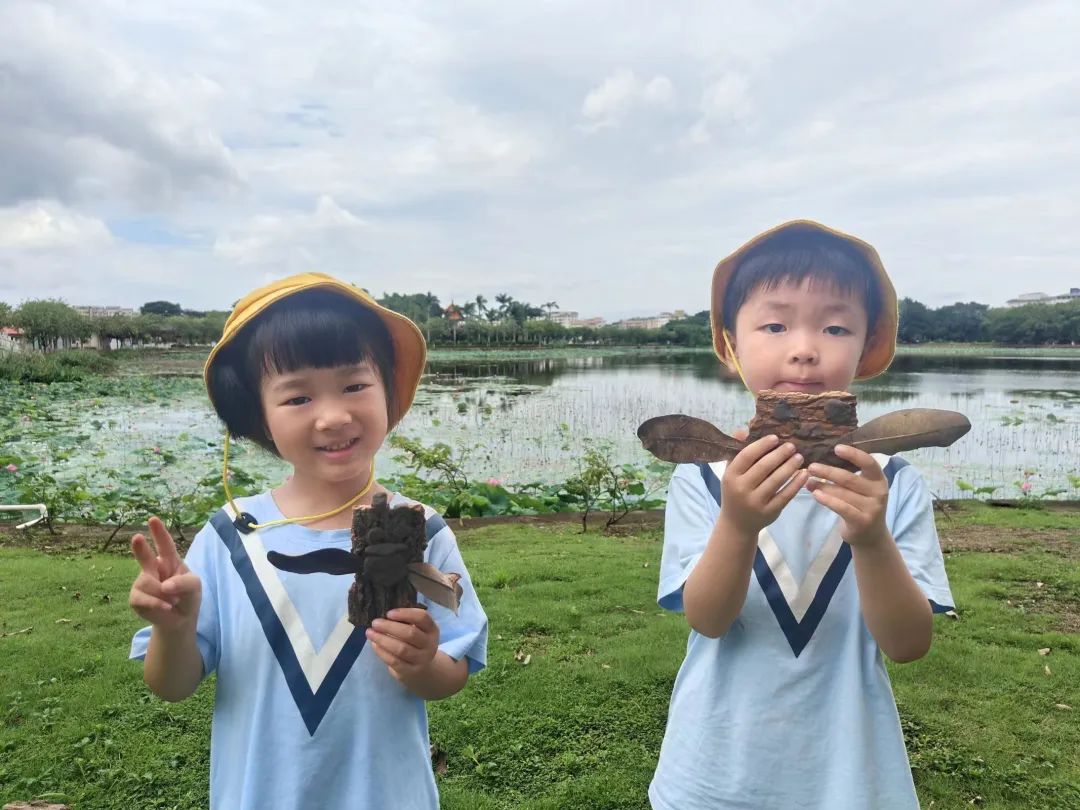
{"points": [[792, 707], [305, 713]]}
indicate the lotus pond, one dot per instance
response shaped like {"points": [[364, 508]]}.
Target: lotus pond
{"points": [[513, 420]]}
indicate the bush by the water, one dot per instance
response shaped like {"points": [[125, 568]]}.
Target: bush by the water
{"points": [[64, 366]]}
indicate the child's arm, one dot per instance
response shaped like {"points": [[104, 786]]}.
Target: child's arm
{"points": [[407, 641], [168, 595], [753, 493], [896, 611]]}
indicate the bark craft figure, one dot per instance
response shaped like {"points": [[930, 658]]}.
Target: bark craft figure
{"points": [[387, 558], [815, 423]]}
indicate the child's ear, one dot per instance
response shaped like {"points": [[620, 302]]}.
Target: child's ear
{"points": [[729, 364]]}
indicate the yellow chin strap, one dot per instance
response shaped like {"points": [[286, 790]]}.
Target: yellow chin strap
{"points": [[735, 362], [246, 523]]}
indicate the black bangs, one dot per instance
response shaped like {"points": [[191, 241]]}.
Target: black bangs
{"points": [[315, 329], [311, 329], [793, 258]]}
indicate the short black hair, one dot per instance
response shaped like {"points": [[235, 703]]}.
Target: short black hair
{"points": [[312, 329], [791, 258]]}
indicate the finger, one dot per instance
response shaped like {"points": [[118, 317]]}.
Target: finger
{"points": [[393, 663], [400, 631], [749, 455], [788, 491], [832, 501], [740, 433], [163, 540], [142, 552], [841, 477], [772, 484], [181, 585], [766, 466], [147, 584], [394, 646], [140, 601], [840, 489], [417, 617], [866, 463]]}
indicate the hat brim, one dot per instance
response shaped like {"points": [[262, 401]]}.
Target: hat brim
{"points": [[880, 343], [410, 349]]}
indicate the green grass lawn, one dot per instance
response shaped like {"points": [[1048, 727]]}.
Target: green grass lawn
{"points": [[571, 709]]}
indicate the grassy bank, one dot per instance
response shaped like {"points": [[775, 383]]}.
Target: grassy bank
{"points": [[571, 709]]}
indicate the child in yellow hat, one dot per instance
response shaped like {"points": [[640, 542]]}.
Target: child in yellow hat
{"points": [[309, 711], [795, 581]]}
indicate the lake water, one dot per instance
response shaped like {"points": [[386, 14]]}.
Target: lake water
{"points": [[1025, 414], [521, 421]]}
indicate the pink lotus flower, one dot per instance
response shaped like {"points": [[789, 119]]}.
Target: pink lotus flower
{"points": [[11, 468], [495, 482], [1025, 487], [157, 450]]}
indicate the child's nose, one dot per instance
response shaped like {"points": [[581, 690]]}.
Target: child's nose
{"points": [[804, 351], [332, 416]]}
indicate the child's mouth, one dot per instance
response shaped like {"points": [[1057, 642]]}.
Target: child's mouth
{"points": [[805, 386], [338, 449]]}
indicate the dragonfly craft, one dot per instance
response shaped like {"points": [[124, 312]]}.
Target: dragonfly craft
{"points": [[814, 423], [387, 559]]}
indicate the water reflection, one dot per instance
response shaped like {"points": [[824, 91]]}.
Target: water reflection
{"points": [[526, 420], [1025, 412]]}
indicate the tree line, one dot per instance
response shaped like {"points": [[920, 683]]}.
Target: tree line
{"points": [[506, 321]]}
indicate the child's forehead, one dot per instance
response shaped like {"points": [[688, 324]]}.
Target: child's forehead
{"points": [[811, 290], [272, 375]]}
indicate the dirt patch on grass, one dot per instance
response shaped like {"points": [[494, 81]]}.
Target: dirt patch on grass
{"points": [[1048, 600], [995, 539], [72, 538], [76, 538]]}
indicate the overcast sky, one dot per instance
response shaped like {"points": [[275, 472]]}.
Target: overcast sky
{"points": [[603, 155]]}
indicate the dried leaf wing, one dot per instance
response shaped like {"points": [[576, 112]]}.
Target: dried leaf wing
{"points": [[909, 429], [443, 589], [686, 439]]}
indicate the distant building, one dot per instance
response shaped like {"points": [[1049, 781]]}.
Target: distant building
{"points": [[103, 312], [570, 319], [1042, 298], [11, 339], [653, 321], [564, 317]]}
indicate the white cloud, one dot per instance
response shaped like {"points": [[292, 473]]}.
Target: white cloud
{"points": [[78, 121], [611, 100], [295, 240], [474, 148], [725, 103], [659, 90], [612, 97], [43, 226]]}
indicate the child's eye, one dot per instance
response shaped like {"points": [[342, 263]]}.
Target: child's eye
{"points": [[774, 328], [298, 401], [837, 330], [355, 388]]}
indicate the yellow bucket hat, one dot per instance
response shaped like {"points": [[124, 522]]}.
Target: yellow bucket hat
{"points": [[410, 355], [880, 343], [410, 350]]}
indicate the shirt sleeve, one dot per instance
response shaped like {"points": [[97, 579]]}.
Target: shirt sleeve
{"points": [[916, 537], [201, 559], [691, 511], [465, 633]]}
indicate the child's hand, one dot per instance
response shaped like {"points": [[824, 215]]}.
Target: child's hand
{"points": [[165, 593], [750, 492], [859, 500], [406, 641]]}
